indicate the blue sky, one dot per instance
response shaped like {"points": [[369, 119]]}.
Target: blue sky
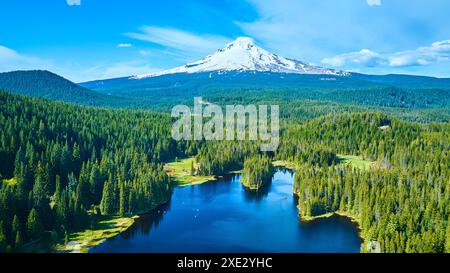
{"points": [[94, 39]]}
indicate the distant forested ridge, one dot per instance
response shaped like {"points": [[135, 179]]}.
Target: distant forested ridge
{"points": [[45, 84], [301, 97], [408, 97]]}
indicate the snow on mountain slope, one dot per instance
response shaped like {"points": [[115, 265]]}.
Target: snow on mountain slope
{"points": [[243, 55]]}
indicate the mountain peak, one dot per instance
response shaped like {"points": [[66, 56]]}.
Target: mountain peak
{"points": [[242, 41], [243, 55]]}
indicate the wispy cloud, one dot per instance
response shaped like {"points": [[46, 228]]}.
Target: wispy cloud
{"points": [[179, 42], [73, 2], [426, 55], [124, 45], [120, 69], [364, 57], [12, 60], [436, 52], [374, 2]]}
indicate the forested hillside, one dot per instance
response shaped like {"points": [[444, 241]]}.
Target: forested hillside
{"points": [[62, 165], [402, 201], [45, 84]]}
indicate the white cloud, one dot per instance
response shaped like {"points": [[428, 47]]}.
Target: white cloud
{"points": [[73, 2], [374, 2], [436, 52], [426, 55], [178, 42], [364, 57], [124, 45], [120, 69], [12, 60]]}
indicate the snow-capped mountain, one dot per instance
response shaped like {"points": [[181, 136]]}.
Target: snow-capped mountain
{"points": [[243, 55]]}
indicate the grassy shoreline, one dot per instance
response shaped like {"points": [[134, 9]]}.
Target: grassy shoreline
{"points": [[83, 241], [349, 215], [103, 228], [181, 173]]}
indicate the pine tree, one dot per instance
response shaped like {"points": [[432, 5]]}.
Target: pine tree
{"points": [[106, 205], [18, 240], [16, 227], [131, 205], [76, 157], [122, 200], [96, 184], [61, 208], [58, 186], [34, 225], [41, 195], [83, 192], [40, 188]]}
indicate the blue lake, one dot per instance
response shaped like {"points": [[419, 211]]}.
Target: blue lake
{"points": [[222, 216]]}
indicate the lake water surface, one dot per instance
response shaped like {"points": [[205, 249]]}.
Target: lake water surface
{"points": [[222, 216]]}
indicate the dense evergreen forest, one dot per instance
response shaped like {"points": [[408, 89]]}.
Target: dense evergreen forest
{"points": [[61, 166], [403, 201], [257, 172], [221, 157]]}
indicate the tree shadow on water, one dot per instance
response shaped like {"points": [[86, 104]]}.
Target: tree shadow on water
{"points": [[147, 221], [257, 195]]}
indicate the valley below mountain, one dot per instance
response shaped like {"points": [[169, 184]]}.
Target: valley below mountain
{"points": [[80, 162]]}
